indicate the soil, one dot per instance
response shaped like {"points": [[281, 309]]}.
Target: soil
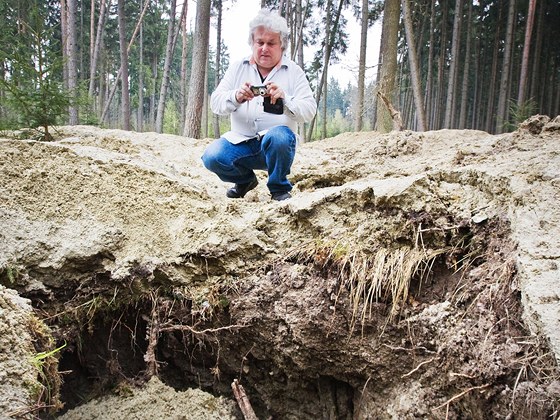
{"points": [[412, 275]]}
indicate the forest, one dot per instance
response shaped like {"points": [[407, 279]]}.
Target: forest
{"points": [[137, 65]]}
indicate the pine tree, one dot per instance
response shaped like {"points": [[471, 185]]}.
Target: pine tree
{"points": [[35, 96]]}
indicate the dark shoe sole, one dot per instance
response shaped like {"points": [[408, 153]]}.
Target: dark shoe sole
{"points": [[240, 190], [281, 196]]}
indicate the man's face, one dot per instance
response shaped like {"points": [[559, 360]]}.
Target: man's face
{"points": [[267, 48]]}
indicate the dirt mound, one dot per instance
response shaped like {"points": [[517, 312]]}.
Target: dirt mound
{"points": [[411, 275]]}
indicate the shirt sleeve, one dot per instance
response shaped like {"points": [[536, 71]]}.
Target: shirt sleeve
{"points": [[223, 101], [301, 105]]}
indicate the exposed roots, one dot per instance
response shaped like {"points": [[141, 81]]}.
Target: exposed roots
{"points": [[383, 275]]}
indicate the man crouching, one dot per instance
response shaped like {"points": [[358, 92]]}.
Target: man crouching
{"points": [[266, 94]]}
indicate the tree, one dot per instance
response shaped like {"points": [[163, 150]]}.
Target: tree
{"points": [[193, 113], [119, 74], [414, 67], [72, 48], [97, 44], [501, 115], [388, 53], [362, 66], [526, 51], [166, 66], [453, 66], [125, 96], [329, 45], [218, 69], [34, 88]]}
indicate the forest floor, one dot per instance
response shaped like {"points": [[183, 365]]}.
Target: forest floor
{"points": [[412, 275]]}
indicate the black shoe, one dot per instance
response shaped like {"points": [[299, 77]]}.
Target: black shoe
{"points": [[282, 195], [239, 190]]}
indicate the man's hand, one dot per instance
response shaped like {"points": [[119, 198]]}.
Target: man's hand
{"points": [[244, 93], [275, 92]]}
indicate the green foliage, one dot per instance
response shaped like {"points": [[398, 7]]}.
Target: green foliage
{"points": [[519, 112], [34, 94]]}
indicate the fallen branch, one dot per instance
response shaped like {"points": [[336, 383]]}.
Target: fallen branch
{"points": [[395, 115], [417, 367], [456, 397], [243, 401]]}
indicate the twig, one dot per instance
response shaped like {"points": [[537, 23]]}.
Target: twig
{"points": [[243, 401], [418, 367], [456, 397]]}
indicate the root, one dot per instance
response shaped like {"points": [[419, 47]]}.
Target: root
{"points": [[418, 367], [459, 395]]}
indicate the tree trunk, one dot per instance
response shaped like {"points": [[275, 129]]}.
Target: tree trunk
{"points": [[358, 123], [324, 109], [491, 104], [526, 51], [140, 111], [218, 62], [166, 67], [501, 115], [537, 65], [414, 68], [184, 64], [125, 96], [453, 66], [429, 96], [193, 112], [465, 84], [153, 104], [72, 9], [119, 74], [64, 36], [331, 31], [97, 45], [389, 68]]}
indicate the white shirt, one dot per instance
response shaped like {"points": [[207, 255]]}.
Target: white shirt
{"points": [[248, 118]]}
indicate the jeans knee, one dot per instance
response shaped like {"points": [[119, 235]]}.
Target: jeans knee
{"points": [[212, 159], [280, 137]]}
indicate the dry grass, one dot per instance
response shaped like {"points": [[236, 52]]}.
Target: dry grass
{"points": [[382, 275]]}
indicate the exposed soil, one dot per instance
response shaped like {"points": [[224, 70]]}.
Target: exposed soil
{"points": [[412, 275]]}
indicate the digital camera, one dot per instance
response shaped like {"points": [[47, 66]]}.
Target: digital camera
{"points": [[259, 90]]}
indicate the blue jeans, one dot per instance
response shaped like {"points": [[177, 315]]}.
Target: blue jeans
{"points": [[236, 162]]}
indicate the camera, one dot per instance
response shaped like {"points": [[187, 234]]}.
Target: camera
{"points": [[259, 90]]}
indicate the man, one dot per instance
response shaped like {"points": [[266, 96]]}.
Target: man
{"points": [[266, 95]]}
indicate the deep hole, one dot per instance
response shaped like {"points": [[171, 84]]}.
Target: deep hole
{"points": [[108, 349]]}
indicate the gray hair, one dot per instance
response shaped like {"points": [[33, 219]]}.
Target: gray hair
{"points": [[273, 22]]}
